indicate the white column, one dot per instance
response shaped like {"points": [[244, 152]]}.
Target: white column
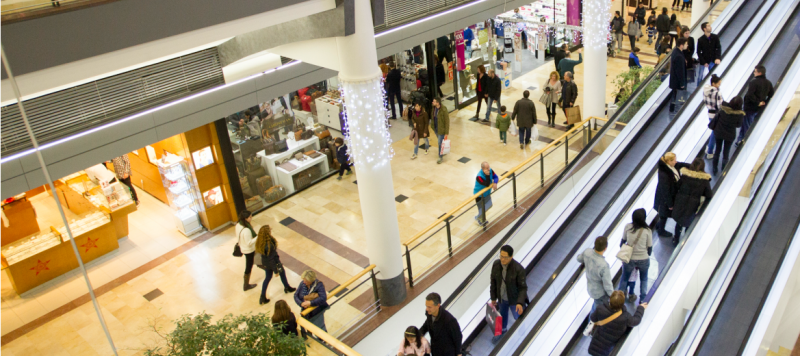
{"points": [[369, 145], [699, 8], [595, 33]]}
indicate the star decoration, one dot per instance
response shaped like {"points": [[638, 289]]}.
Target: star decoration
{"points": [[90, 243], [40, 266]]}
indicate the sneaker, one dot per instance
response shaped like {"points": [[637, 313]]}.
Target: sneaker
{"points": [[414, 156], [504, 143], [439, 161], [496, 339], [348, 173], [709, 156], [664, 233], [426, 151], [632, 297], [339, 178], [521, 146]]}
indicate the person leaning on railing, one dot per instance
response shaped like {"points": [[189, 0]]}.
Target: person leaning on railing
{"points": [[486, 178], [311, 293]]}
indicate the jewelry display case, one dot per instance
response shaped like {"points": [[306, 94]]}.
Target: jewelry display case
{"points": [[182, 192]]}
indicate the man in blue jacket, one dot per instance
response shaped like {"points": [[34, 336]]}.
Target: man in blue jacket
{"points": [[486, 177], [677, 74], [311, 293]]}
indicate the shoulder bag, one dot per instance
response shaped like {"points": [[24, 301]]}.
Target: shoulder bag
{"points": [[605, 321], [237, 251], [626, 251]]}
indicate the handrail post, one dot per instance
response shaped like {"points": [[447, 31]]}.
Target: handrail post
{"points": [[514, 186], [449, 240], [541, 160], [375, 290], [590, 130], [482, 202], [408, 262], [566, 149]]}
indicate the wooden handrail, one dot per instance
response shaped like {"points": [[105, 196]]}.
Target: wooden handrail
{"points": [[606, 120], [504, 176], [341, 287], [334, 342]]}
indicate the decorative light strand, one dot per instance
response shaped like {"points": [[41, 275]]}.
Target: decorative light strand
{"points": [[366, 120], [595, 23]]}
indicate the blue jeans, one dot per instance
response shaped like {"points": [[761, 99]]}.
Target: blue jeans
{"points": [[427, 144], [441, 138], [268, 277], [488, 204], [702, 71], [489, 106], [524, 135], [748, 121], [503, 308], [627, 270], [711, 142]]}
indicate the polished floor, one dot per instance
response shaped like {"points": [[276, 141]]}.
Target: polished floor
{"points": [[158, 275]]}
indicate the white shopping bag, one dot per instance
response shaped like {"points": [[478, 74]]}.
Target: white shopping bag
{"points": [[445, 149], [534, 133], [512, 129]]}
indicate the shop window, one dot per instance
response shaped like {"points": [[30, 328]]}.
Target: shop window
{"points": [[213, 197], [202, 157]]}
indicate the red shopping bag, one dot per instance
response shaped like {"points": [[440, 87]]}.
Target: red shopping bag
{"points": [[494, 319]]}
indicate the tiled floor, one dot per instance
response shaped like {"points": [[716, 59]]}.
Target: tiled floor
{"points": [[325, 232]]}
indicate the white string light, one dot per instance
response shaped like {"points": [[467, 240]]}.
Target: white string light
{"points": [[367, 123], [595, 23]]}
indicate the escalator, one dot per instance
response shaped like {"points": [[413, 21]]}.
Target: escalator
{"points": [[778, 58], [658, 130]]}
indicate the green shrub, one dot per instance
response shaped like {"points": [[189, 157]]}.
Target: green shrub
{"points": [[627, 82], [230, 336]]}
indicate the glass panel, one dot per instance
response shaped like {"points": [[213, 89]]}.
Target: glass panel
{"points": [[213, 197], [202, 157]]}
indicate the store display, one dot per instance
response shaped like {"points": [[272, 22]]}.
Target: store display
{"points": [[182, 192], [27, 247], [253, 203], [84, 225], [274, 194], [287, 166]]}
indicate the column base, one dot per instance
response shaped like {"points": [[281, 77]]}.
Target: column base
{"points": [[392, 291]]}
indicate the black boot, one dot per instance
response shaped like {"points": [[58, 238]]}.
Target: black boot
{"points": [[263, 300], [289, 289], [247, 285]]}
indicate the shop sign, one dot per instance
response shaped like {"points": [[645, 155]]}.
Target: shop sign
{"points": [[460, 48], [279, 122]]}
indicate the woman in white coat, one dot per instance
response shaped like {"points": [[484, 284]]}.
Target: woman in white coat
{"points": [[247, 243]]}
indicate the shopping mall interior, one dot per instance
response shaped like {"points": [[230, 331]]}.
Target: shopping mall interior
{"points": [[338, 177]]}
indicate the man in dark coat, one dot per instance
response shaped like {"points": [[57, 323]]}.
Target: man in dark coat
{"points": [[526, 111], [442, 326], [662, 26], [560, 54], [393, 80], [709, 51], [668, 176], [677, 74], [508, 288], [694, 183], [759, 91], [494, 88], [569, 95], [606, 336], [640, 13]]}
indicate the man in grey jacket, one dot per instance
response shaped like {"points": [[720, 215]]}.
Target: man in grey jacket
{"points": [[526, 110], [598, 273]]}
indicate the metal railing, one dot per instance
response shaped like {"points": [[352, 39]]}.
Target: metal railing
{"points": [[330, 342], [456, 232]]}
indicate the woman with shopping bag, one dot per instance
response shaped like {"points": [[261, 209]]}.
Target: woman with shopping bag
{"points": [[551, 89]]}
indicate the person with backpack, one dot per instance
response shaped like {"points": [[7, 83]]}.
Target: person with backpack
{"points": [[728, 119], [713, 101], [662, 25], [247, 244], [694, 184], [617, 28], [639, 236], [759, 92], [612, 320], [508, 289]]}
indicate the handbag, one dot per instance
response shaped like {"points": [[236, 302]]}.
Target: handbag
{"points": [[626, 251], [546, 99], [274, 194], [281, 146], [574, 114], [713, 123], [269, 145], [494, 319], [307, 134], [591, 328], [237, 251]]}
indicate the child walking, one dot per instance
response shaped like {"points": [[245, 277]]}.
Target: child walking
{"points": [[341, 156], [651, 32], [502, 122]]}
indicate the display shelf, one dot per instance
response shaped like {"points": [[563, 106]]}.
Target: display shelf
{"points": [[82, 226], [27, 247], [182, 192]]}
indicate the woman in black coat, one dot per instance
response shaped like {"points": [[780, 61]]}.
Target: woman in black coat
{"points": [[440, 75], [605, 337], [668, 176], [267, 246], [481, 89], [694, 184], [728, 119]]}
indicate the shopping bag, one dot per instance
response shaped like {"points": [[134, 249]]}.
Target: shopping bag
{"points": [[445, 149], [512, 129], [534, 133], [493, 319], [574, 114]]}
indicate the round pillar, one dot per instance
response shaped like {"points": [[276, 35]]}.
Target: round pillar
{"points": [[699, 7], [370, 148], [595, 37]]}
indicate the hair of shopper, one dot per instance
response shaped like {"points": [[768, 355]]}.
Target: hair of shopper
{"points": [[508, 249], [435, 298], [684, 29], [265, 242], [243, 215], [639, 217], [681, 41], [617, 12], [715, 79], [664, 11], [636, 49], [558, 76], [503, 108], [309, 275], [761, 69], [282, 312], [669, 156], [339, 140], [703, 26], [617, 300], [736, 103], [564, 46], [698, 165], [600, 244], [673, 18], [482, 69], [526, 94], [391, 65], [412, 331]]}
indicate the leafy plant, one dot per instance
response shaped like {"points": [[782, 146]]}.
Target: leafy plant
{"points": [[627, 82], [249, 334]]}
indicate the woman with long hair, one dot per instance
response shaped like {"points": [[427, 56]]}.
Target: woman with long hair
{"points": [[246, 239], [674, 27], [413, 343], [267, 246], [638, 235], [552, 87], [694, 184], [284, 319]]}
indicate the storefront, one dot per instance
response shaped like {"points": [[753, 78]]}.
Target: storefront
{"points": [[183, 172]]}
